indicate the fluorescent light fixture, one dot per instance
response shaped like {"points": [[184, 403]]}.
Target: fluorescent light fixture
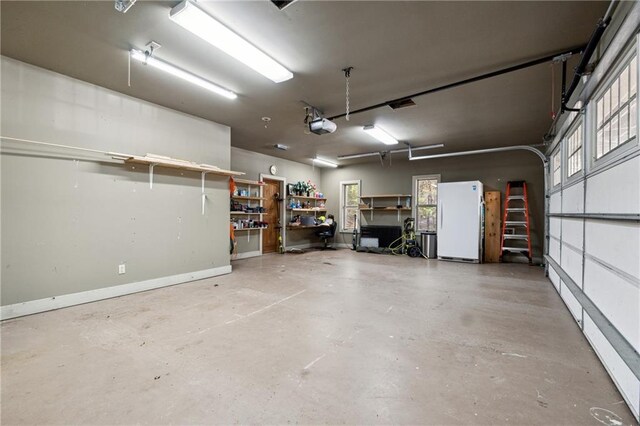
{"points": [[175, 71], [393, 151], [381, 135], [190, 17], [325, 163]]}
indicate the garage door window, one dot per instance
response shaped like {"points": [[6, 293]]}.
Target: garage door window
{"points": [[556, 161], [616, 110], [574, 151]]}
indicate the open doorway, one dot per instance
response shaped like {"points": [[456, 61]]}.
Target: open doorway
{"points": [[272, 192]]}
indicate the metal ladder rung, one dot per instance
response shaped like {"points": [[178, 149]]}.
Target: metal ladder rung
{"points": [[521, 249], [515, 197], [516, 209], [516, 222], [516, 237]]}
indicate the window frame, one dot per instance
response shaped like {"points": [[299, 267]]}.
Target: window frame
{"points": [[343, 207], [612, 76], [414, 195]]}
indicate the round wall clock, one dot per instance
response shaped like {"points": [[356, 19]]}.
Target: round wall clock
{"points": [[273, 169]]}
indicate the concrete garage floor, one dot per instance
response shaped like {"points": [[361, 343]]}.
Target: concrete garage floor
{"points": [[322, 337]]}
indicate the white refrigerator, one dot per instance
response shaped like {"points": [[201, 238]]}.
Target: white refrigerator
{"points": [[460, 221]]}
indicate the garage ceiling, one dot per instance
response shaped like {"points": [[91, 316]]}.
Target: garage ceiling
{"points": [[396, 48]]}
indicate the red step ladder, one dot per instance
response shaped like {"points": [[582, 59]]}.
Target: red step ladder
{"points": [[516, 220]]}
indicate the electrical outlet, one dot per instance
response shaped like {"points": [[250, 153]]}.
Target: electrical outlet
{"points": [[122, 269]]}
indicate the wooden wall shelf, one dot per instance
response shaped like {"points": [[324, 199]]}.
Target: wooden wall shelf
{"points": [[386, 209], [248, 182], [239, 197], [180, 164], [304, 197], [307, 210], [386, 196]]}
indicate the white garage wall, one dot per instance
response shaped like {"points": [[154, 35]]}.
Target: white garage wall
{"points": [[594, 240]]}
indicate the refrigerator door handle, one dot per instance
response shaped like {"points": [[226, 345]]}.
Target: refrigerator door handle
{"points": [[441, 215]]}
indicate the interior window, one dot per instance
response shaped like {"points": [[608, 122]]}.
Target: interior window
{"points": [[426, 203], [349, 200]]}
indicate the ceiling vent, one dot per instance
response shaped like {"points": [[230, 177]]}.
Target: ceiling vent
{"points": [[281, 4], [402, 103]]}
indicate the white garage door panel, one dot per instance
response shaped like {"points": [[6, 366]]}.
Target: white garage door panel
{"points": [[554, 278], [616, 298], [572, 232], [572, 199], [615, 190], [554, 226], [627, 383], [615, 243], [554, 203], [554, 249], [572, 303], [572, 264]]}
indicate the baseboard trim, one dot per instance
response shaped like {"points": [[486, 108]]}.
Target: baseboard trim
{"points": [[246, 255], [66, 300]]}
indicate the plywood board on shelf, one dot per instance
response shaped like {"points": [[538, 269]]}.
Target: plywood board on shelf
{"points": [[248, 182], [178, 164], [492, 229]]}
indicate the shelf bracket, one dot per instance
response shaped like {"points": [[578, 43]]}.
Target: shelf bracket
{"points": [[204, 196], [151, 166]]}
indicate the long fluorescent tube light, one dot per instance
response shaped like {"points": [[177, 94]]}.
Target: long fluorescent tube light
{"points": [[326, 163], [187, 76], [192, 18], [393, 151], [381, 135]]}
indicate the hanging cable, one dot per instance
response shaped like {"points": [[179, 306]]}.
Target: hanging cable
{"points": [[347, 74], [553, 93]]}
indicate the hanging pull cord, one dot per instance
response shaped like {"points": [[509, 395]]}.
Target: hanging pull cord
{"points": [[347, 74], [553, 93]]}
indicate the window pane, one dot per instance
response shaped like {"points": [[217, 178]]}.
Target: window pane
{"points": [[351, 195], [624, 124], [427, 219], [624, 85], [614, 96], [579, 160], [606, 142], [633, 117], [350, 217], [614, 132], [600, 111], [427, 191], [633, 76], [599, 140], [607, 104]]}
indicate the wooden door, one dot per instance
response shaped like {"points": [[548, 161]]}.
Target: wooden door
{"points": [[270, 235], [492, 230]]}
